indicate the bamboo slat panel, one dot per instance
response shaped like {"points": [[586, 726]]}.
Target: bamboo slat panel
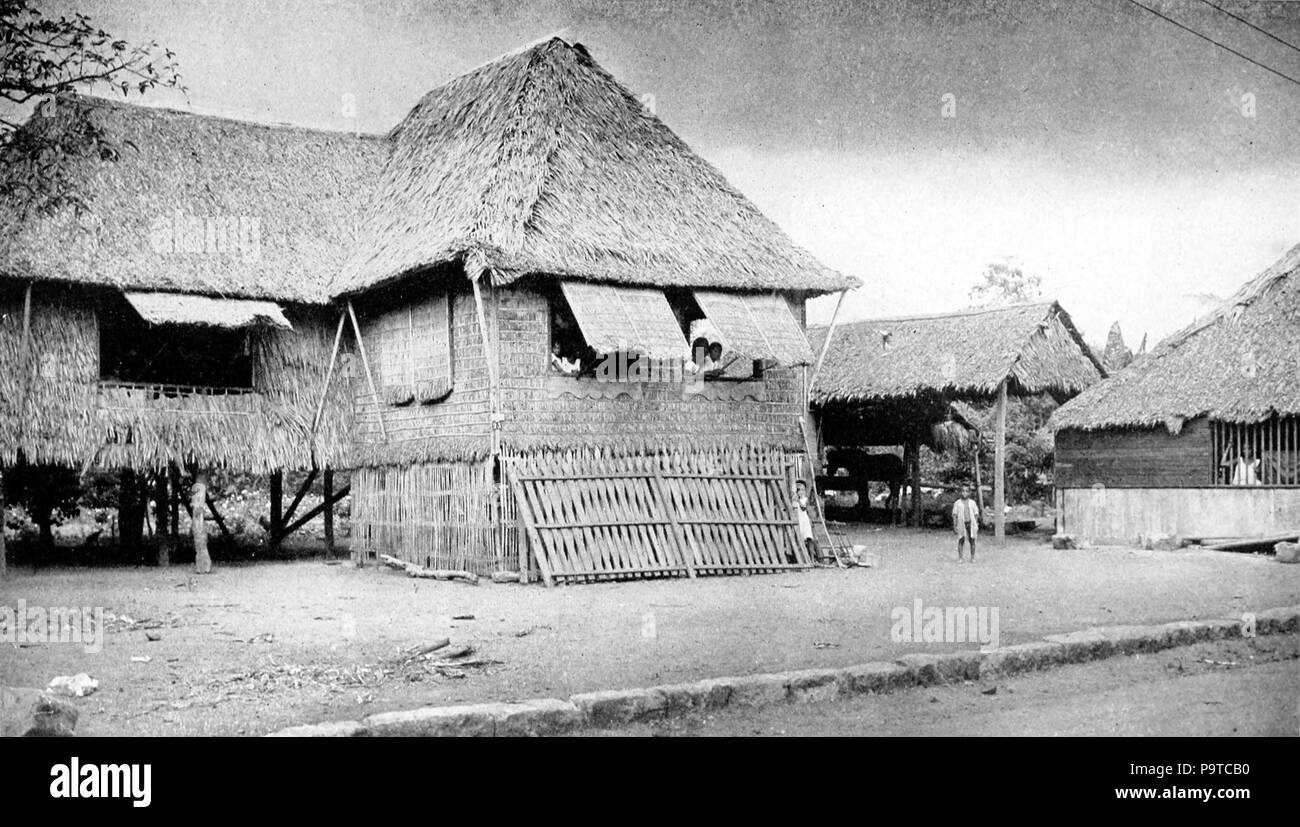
{"points": [[594, 515], [436, 515]]}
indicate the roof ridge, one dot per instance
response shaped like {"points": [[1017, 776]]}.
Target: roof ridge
{"points": [[956, 314], [279, 126]]}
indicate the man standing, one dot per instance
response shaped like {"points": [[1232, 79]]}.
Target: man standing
{"points": [[965, 522]]}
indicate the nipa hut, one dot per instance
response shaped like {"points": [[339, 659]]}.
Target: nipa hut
{"points": [[178, 316], [889, 381], [1199, 437], [539, 256]]}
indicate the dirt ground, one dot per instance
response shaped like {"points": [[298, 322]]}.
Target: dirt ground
{"points": [[256, 647], [1226, 688]]}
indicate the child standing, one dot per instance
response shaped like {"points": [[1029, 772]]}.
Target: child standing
{"points": [[805, 522], [965, 522]]}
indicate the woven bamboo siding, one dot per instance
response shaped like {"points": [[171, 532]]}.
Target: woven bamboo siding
{"points": [[437, 515], [457, 427], [593, 515], [55, 410], [545, 410]]}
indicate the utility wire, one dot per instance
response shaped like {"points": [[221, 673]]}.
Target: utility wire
{"points": [[1246, 22], [1190, 30]]}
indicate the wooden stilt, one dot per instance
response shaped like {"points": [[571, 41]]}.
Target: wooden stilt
{"points": [[174, 484], [1000, 467], [162, 510], [916, 483], [327, 491], [198, 504], [3, 516], [277, 511]]}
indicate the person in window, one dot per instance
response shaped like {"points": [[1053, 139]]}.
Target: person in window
{"points": [[699, 354], [713, 365], [1244, 470], [563, 364]]}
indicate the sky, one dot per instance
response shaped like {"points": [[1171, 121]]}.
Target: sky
{"points": [[1137, 169]]}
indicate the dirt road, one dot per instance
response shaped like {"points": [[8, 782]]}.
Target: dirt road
{"points": [[1221, 689]]}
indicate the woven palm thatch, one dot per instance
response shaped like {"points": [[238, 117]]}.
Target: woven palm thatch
{"points": [[1034, 346], [541, 162], [1238, 364], [197, 204]]}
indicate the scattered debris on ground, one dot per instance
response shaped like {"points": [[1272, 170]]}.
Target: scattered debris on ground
{"points": [[412, 570], [74, 686]]}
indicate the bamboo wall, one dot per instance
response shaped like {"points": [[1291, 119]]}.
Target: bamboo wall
{"points": [[457, 427], [1117, 516], [54, 409], [436, 515], [545, 410]]}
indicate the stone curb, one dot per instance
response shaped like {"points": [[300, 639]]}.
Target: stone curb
{"points": [[552, 716]]}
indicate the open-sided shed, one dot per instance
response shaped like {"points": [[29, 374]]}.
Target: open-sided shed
{"points": [[888, 381]]}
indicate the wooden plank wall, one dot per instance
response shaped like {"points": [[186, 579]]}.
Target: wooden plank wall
{"points": [[1116, 516], [1137, 458]]}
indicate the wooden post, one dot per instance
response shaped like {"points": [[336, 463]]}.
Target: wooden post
{"points": [[174, 498], [1000, 467], [198, 506], [131, 506], [3, 515], [327, 490], [162, 509], [916, 482], [370, 377], [277, 510]]}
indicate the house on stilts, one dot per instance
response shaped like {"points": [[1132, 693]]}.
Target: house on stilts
{"points": [[172, 311], [1200, 438], [542, 333], [890, 381], [540, 253]]}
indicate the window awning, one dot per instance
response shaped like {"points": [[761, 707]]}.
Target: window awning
{"points": [[627, 319], [758, 326], [181, 308]]}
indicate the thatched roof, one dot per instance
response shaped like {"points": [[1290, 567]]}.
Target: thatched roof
{"points": [[1237, 364], [262, 211], [967, 354], [541, 162]]}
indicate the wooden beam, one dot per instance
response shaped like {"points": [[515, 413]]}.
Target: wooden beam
{"points": [[826, 345], [365, 364], [221, 523], [329, 374], [327, 489], [297, 498], [3, 515], [917, 509], [304, 519], [1000, 466], [490, 357], [277, 510]]}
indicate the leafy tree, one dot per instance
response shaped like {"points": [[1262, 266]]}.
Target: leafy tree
{"points": [[1005, 283], [47, 493], [42, 57]]}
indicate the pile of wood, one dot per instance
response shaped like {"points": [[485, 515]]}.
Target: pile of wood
{"points": [[1254, 544], [412, 570]]}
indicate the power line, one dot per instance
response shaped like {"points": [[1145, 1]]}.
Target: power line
{"points": [[1246, 22], [1229, 49]]}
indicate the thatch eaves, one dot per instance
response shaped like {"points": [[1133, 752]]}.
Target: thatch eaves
{"points": [[542, 163], [966, 354], [1239, 363], [197, 204]]}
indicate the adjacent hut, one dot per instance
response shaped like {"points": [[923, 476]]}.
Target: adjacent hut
{"points": [[539, 256], [1199, 437], [171, 309], [889, 381]]}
